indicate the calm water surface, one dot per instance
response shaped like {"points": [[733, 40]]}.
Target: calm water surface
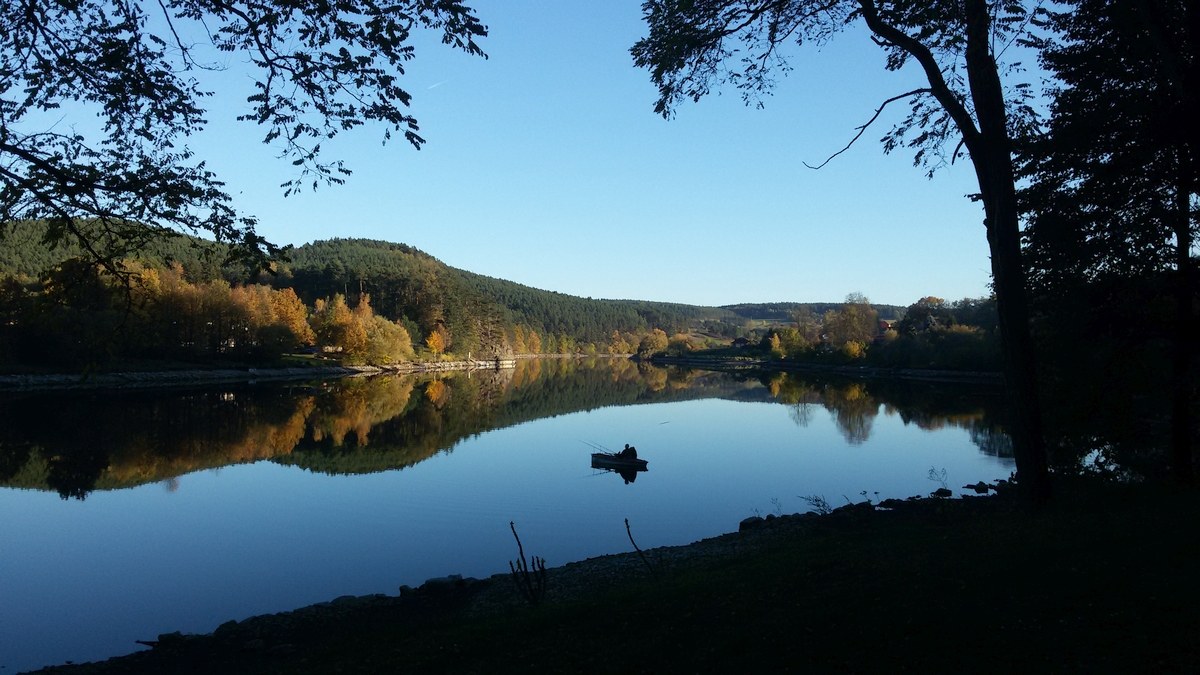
{"points": [[126, 515]]}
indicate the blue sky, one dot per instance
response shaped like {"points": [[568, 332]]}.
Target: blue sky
{"points": [[546, 165]]}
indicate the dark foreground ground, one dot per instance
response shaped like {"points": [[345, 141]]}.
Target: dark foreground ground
{"points": [[1105, 579]]}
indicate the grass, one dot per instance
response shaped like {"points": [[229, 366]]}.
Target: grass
{"points": [[1099, 581]]}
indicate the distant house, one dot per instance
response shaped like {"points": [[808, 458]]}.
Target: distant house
{"points": [[741, 342], [886, 325]]}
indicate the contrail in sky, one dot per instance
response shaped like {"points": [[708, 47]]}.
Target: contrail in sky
{"points": [[438, 84]]}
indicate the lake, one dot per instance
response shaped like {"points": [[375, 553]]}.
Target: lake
{"points": [[124, 515]]}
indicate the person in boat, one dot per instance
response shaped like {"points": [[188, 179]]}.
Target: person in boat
{"points": [[629, 452]]}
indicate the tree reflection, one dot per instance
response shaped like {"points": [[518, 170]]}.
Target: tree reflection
{"points": [[853, 410], [854, 405], [76, 443]]}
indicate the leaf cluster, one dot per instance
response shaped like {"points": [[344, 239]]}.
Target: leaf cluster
{"points": [[320, 68], [695, 46]]}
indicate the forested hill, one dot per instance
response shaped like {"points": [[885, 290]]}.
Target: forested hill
{"points": [[783, 311], [478, 313], [590, 320], [404, 281]]}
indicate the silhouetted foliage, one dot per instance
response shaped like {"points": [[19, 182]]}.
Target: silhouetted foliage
{"points": [[694, 45], [1112, 219], [319, 69]]}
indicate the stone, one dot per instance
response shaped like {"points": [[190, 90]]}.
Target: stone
{"points": [[443, 583], [406, 591], [752, 521]]}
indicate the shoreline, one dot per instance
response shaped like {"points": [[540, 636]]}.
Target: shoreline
{"points": [[928, 375], [202, 376], [920, 584], [237, 646], [181, 378]]}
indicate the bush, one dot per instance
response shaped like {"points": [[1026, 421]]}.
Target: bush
{"points": [[387, 342]]}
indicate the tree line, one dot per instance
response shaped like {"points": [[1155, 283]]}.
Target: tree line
{"points": [[368, 301], [931, 333]]}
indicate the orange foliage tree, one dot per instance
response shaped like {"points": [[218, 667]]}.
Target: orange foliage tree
{"points": [[435, 343]]}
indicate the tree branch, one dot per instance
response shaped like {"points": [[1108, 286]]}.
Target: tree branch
{"points": [[862, 129], [937, 82]]}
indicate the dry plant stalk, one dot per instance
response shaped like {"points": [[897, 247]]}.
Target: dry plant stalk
{"points": [[639, 551], [530, 579]]}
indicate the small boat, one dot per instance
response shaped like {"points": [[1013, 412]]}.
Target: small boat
{"points": [[614, 461]]}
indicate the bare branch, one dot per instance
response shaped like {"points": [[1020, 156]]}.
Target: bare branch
{"points": [[954, 155], [862, 129]]}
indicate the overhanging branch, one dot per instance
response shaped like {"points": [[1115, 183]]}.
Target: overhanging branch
{"points": [[937, 82], [862, 129]]}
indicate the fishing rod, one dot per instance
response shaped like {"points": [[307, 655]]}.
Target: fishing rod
{"points": [[595, 446]]}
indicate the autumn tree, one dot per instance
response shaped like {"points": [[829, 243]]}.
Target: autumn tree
{"points": [[924, 314], [792, 342], [387, 342], [566, 344], [519, 340], [775, 346], [653, 343], [679, 344], [534, 341], [336, 326], [617, 344], [694, 45], [443, 335], [808, 324], [434, 342], [854, 322], [291, 312], [318, 68]]}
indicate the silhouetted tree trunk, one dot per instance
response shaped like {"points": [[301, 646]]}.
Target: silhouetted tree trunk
{"points": [[997, 185], [990, 149], [1180, 75], [1181, 361]]}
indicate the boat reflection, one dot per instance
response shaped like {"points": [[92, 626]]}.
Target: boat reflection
{"points": [[625, 463]]}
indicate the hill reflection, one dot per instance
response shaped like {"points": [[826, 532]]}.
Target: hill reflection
{"points": [[77, 443]]}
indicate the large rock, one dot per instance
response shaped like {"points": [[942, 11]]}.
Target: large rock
{"points": [[751, 522]]}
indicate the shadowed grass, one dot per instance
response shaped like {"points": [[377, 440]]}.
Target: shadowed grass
{"points": [[1100, 581]]}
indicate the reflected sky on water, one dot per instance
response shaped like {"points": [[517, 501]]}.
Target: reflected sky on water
{"points": [[221, 504]]}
